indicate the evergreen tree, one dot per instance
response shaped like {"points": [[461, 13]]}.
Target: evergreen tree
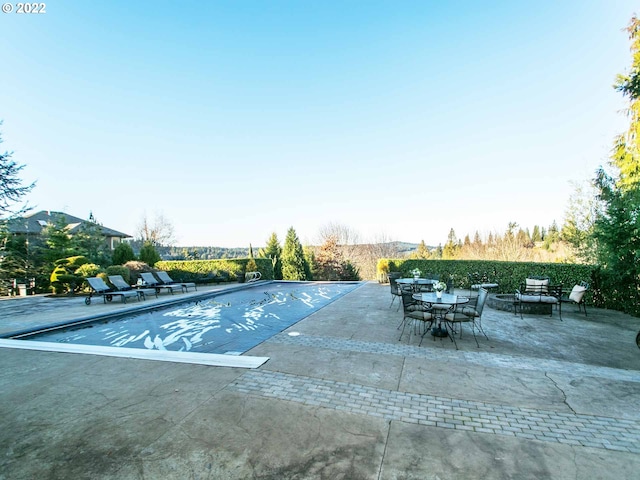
{"points": [[578, 228], [251, 265], [617, 225], [543, 233], [350, 272], [451, 248], [11, 188], [536, 236], [312, 265], [422, 252], [626, 154], [524, 239], [552, 236], [273, 250], [617, 233], [14, 258], [294, 264], [123, 253], [149, 254], [57, 239], [89, 241]]}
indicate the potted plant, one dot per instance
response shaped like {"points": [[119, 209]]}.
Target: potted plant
{"points": [[439, 287]]}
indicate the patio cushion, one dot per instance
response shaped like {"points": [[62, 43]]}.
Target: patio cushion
{"points": [[577, 293], [470, 312], [536, 298], [476, 286], [416, 308], [548, 299], [426, 316], [535, 285]]}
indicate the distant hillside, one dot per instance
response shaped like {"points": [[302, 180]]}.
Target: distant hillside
{"points": [[405, 247], [203, 253], [212, 253]]}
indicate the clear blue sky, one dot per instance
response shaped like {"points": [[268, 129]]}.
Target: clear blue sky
{"points": [[236, 119]]}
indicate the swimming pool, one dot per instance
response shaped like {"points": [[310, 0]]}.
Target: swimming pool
{"points": [[225, 323]]}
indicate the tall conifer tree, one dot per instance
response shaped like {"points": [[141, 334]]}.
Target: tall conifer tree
{"points": [[617, 226], [294, 265], [273, 250]]}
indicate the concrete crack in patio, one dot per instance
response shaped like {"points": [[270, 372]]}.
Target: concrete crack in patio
{"points": [[384, 452], [564, 395]]}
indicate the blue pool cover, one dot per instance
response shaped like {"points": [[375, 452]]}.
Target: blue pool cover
{"points": [[229, 323]]}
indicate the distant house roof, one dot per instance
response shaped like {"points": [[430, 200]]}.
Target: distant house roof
{"points": [[36, 222]]}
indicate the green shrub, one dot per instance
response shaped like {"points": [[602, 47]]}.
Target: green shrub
{"points": [[251, 266], [64, 279], [382, 269], [349, 272], [77, 261], [122, 254], [56, 284], [120, 270], [201, 270], [103, 275], [135, 268], [88, 270], [149, 254]]}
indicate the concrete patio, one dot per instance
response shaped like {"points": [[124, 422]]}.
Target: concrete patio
{"points": [[344, 399]]}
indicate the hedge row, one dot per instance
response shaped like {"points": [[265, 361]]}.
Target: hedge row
{"points": [[202, 270]]}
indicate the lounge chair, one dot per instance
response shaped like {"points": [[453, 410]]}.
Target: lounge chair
{"points": [[165, 279], [100, 288], [151, 281], [122, 286]]}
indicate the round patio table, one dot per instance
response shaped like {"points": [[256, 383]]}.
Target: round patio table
{"points": [[440, 306]]}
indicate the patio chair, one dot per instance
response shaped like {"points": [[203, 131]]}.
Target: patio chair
{"points": [[151, 281], [449, 286], [428, 287], [395, 290], [165, 279], [538, 293], [98, 287], [577, 296], [477, 280], [413, 311], [471, 314], [122, 286]]}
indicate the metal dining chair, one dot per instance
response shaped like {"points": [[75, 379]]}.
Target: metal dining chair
{"points": [[414, 311], [395, 290], [471, 314]]}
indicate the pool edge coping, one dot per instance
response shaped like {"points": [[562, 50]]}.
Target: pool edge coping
{"points": [[210, 359]]}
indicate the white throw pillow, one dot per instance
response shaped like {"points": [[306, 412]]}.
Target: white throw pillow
{"points": [[577, 293], [537, 286]]}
